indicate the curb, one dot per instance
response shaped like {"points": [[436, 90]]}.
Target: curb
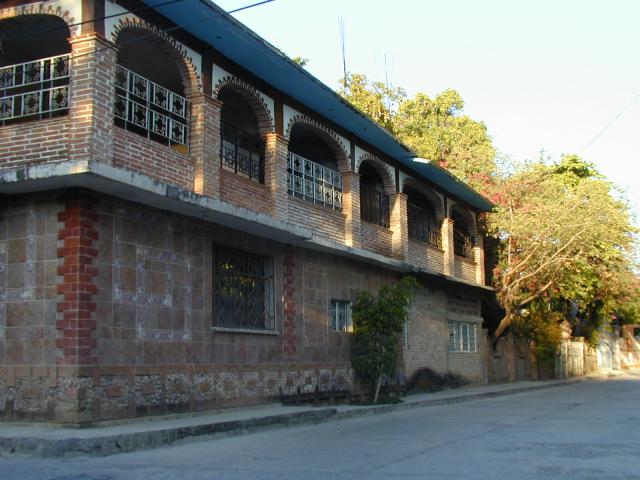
{"points": [[104, 445]]}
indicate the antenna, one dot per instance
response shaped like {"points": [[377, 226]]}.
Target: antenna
{"points": [[344, 59]]}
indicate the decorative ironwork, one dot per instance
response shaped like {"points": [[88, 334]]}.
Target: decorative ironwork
{"points": [[374, 206], [242, 152], [32, 90], [243, 290], [462, 244], [314, 182], [145, 107], [423, 226]]}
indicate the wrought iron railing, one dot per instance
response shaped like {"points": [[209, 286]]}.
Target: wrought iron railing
{"points": [[242, 152], [314, 182], [374, 206], [151, 110], [463, 244], [423, 226], [33, 90]]}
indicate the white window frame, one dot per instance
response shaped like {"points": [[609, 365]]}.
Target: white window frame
{"points": [[340, 316], [463, 336]]}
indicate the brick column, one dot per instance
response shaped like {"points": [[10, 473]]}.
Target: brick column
{"points": [[478, 257], [204, 145], [91, 98], [351, 207], [76, 322], [399, 226], [289, 288], [276, 151], [447, 246]]}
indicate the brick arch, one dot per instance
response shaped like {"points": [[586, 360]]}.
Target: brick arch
{"points": [[339, 149], [380, 167], [252, 97], [191, 81], [41, 9], [428, 193], [468, 219]]}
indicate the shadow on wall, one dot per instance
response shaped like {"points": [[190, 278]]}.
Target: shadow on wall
{"points": [[426, 380]]}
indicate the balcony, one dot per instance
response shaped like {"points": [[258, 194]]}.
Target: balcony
{"points": [[34, 90], [423, 226], [151, 110], [242, 152], [463, 245], [374, 206], [314, 182]]}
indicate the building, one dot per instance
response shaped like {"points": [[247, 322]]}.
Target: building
{"points": [[186, 214]]}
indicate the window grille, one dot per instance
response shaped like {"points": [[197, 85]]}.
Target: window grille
{"points": [[462, 244], [374, 206], [423, 226], [314, 182], [242, 152], [151, 110], [242, 290], [34, 90], [341, 316], [462, 336]]}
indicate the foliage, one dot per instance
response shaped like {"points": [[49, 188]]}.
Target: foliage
{"points": [[377, 324], [303, 62]]}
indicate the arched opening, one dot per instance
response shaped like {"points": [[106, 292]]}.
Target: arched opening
{"points": [[34, 68], [150, 92], [242, 149], [313, 168], [421, 218], [463, 233], [374, 202]]}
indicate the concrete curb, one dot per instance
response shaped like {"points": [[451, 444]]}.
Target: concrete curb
{"points": [[103, 445]]}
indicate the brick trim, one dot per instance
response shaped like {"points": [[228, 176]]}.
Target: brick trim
{"points": [[427, 193], [41, 9], [252, 97], [76, 322], [381, 168]]}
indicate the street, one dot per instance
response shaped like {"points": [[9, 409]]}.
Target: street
{"points": [[583, 431]]}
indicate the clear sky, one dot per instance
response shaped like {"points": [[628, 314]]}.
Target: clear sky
{"points": [[543, 75]]}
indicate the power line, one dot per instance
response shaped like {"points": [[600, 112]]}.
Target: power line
{"points": [[622, 112]]}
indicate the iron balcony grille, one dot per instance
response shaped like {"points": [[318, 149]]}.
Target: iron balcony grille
{"points": [[314, 182], [423, 226], [243, 290], [34, 90], [374, 206], [242, 152], [151, 110], [462, 244]]}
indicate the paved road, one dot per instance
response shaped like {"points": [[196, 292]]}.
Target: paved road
{"points": [[583, 431]]}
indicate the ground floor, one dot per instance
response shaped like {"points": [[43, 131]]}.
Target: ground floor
{"points": [[113, 309]]}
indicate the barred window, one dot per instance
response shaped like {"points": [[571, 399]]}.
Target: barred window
{"points": [[341, 316], [242, 290], [462, 337]]}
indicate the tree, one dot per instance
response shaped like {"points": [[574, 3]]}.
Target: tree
{"points": [[303, 62], [377, 324]]}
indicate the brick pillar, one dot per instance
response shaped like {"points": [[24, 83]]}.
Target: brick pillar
{"points": [[276, 151], [204, 145], [76, 322], [289, 339], [478, 257], [447, 246], [351, 207], [399, 226], [91, 98]]}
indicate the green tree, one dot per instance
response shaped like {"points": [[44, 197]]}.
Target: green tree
{"points": [[377, 324]]}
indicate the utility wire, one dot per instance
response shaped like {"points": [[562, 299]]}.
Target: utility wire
{"points": [[622, 112]]}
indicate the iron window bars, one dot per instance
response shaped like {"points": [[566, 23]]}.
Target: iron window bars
{"points": [[462, 336], [242, 290], [242, 152], [314, 182], [374, 206], [462, 244], [341, 316], [423, 226], [151, 110], [34, 90]]}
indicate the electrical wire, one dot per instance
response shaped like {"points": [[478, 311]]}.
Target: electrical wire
{"points": [[622, 112]]}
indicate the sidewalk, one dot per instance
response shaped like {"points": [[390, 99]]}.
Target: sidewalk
{"points": [[47, 441]]}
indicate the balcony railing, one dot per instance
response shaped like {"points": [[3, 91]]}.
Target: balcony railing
{"points": [[151, 110], [374, 206], [242, 152], [314, 182], [463, 244], [34, 90], [423, 226]]}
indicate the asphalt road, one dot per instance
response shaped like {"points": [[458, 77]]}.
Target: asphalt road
{"points": [[583, 431]]}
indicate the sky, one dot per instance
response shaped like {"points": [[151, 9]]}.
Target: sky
{"points": [[543, 75]]}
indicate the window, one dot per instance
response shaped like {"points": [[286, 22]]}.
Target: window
{"points": [[242, 290], [405, 334], [462, 337], [341, 316], [423, 225]]}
